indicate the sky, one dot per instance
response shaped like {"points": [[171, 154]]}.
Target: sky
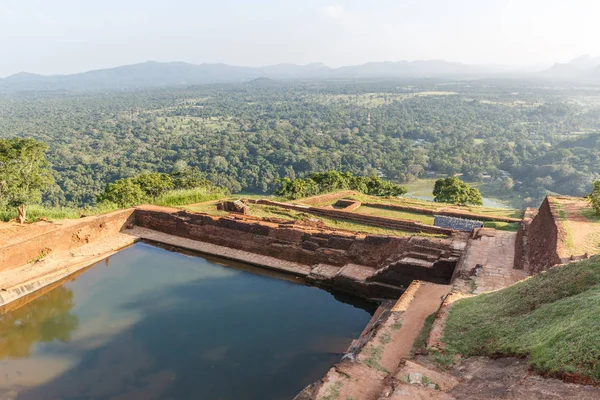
{"points": [[68, 36]]}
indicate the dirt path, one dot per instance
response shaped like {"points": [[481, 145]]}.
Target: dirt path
{"points": [[427, 300]]}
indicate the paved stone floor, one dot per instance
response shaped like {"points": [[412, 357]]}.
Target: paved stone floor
{"points": [[494, 252]]}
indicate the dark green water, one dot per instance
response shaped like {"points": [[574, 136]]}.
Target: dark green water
{"points": [[153, 324]]}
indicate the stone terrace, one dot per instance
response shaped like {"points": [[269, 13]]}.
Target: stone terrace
{"points": [[488, 263]]}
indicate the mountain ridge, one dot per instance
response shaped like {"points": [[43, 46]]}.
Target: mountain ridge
{"points": [[156, 74]]}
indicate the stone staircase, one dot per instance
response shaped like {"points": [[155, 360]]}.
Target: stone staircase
{"points": [[420, 262]]}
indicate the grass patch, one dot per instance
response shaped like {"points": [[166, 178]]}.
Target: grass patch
{"points": [[358, 227], [590, 214], [386, 338], [375, 354], [551, 318], [394, 214], [431, 205], [503, 226], [169, 199], [334, 391], [188, 196], [38, 212], [421, 340], [564, 221]]}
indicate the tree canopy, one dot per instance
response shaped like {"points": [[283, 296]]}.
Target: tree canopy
{"points": [[453, 190], [245, 136], [138, 189], [594, 197], [324, 182], [24, 172]]}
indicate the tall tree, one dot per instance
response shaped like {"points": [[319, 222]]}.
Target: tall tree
{"points": [[24, 173], [453, 190]]}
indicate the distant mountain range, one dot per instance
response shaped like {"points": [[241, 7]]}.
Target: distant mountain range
{"points": [[582, 68], [156, 74]]}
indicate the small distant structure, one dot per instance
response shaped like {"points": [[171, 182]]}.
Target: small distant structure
{"points": [[459, 224], [369, 119]]}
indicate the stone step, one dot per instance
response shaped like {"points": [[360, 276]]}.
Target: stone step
{"points": [[323, 273], [415, 261], [428, 250], [422, 256], [381, 290], [356, 272]]}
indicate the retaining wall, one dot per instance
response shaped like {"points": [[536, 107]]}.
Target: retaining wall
{"points": [[284, 241], [62, 236]]}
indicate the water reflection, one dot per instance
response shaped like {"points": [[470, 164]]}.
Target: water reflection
{"points": [[46, 319], [161, 325]]}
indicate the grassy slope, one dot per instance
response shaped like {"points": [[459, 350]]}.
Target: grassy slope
{"points": [[553, 318]]}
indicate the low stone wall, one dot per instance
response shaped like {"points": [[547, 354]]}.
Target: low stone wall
{"points": [[348, 205], [542, 238], [327, 197], [63, 236], [284, 241], [402, 225], [446, 213]]}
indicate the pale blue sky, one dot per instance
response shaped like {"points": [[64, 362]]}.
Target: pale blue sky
{"points": [[65, 36]]}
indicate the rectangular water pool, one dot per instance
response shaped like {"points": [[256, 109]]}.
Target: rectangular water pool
{"points": [[149, 323]]}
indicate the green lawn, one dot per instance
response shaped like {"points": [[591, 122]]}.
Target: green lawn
{"points": [[552, 318], [430, 205], [381, 212]]}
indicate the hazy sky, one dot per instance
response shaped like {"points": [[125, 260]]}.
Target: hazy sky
{"points": [[65, 36]]}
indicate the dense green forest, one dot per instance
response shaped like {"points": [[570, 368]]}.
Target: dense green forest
{"points": [[246, 136]]}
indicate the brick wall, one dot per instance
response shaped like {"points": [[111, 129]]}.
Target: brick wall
{"points": [[542, 239], [285, 241]]}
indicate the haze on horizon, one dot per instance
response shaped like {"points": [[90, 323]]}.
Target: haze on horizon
{"points": [[68, 36]]}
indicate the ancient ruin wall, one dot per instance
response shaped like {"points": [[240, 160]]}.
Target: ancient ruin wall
{"points": [[455, 214], [404, 225], [67, 235], [542, 239], [284, 241]]}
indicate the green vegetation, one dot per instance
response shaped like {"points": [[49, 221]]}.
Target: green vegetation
{"points": [[421, 340], [453, 190], [552, 318], [381, 212], [24, 173], [429, 205], [158, 188], [594, 197], [245, 136], [375, 354], [331, 181], [503, 226]]}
